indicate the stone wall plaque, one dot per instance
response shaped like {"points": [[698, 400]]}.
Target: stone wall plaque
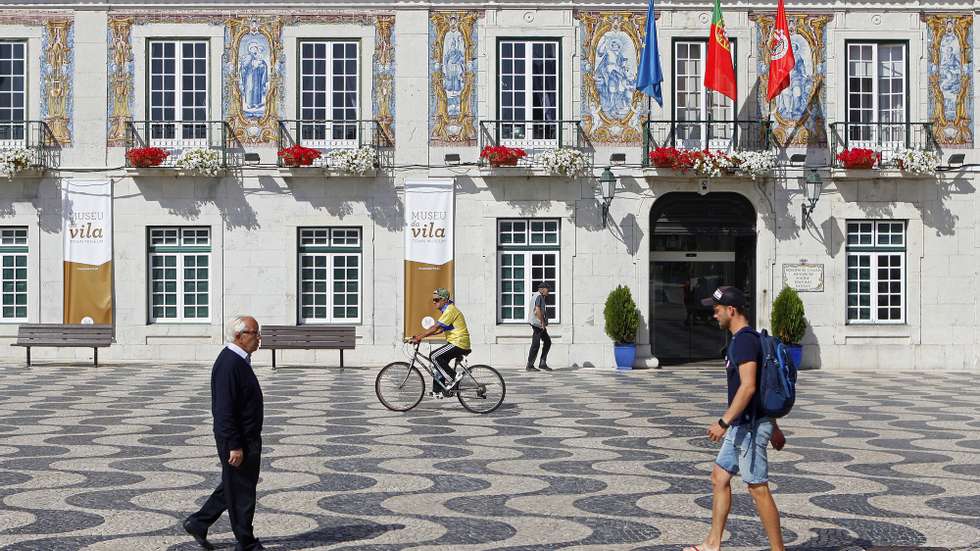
{"points": [[804, 278]]}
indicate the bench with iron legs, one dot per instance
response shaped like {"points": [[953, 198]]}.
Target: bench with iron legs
{"points": [[308, 337], [58, 335]]}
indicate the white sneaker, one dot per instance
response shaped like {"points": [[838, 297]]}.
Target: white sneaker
{"points": [[436, 395]]}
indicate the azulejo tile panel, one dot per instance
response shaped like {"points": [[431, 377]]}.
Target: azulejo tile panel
{"points": [[798, 113], [950, 70], [453, 74], [253, 72], [613, 111]]}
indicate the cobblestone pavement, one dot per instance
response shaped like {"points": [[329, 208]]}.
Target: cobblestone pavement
{"points": [[113, 458]]}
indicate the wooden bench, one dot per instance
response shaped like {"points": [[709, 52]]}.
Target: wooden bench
{"points": [[308, 337], [58, 335]]}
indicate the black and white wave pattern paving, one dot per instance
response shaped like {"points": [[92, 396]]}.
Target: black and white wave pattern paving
{"points": [[112, 458]]}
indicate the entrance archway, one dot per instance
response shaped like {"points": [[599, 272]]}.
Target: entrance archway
{"points": [[699, 243]]}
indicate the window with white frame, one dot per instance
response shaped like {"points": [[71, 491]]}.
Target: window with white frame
{"points": [[13, 283], [328, 92], [529, 81], [693, 102], [13, 86], [180, 274], [528, 252], [876, 95], [178, 93], [330, 275], [876, 273]]}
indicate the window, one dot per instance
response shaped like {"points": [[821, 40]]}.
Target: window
{"points": [[13, 78], [529, 81], [876, 93], [693, 102], [330, 275], [13, 257], [328, 92], [180, 274], [875, 271], [178, 93], [527, 253]]}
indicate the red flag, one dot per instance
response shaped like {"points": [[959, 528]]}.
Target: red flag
{"points": [[781, 59], [719, 74]]}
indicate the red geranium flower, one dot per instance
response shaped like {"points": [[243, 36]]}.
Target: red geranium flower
{"points": [[501, 155], [297, 155], [146, 157], [858, 158]]}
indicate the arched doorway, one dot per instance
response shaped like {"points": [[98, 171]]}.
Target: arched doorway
{"points": [[699, 244]]}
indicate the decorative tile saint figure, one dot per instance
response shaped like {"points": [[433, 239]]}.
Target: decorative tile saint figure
{"points": [[453, 66], [254, 75], [792, 104], [950, 70], [615, 75]]}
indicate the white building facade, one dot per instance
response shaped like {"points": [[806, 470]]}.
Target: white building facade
{"points": [[886, 261]]}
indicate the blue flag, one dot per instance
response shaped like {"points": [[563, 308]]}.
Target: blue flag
{"points": [[650, 77]]}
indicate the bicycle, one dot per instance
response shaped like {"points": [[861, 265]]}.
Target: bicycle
{"points": [[400, 385]]}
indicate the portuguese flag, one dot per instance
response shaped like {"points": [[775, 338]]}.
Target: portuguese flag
{"points": [[719, 73]]}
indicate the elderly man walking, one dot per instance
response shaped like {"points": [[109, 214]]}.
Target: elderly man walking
{"points": [[236, 403]]}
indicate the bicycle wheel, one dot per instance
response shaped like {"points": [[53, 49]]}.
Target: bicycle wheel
{"points": [[399, 386], [482, 391]]}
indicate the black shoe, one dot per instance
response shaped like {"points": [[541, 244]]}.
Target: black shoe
{"points": [[200, 536], [530, 368], [544, 367]]}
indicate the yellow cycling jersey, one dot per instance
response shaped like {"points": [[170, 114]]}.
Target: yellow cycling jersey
{"points": [[454, 325]]}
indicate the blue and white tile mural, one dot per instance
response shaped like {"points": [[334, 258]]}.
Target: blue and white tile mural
{"points": [[253, 75], [613, 111], [452, 71], [253, 72], [950, 69], [798, 113]]}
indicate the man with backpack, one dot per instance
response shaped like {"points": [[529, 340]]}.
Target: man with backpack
{"points": [[745, 429]]}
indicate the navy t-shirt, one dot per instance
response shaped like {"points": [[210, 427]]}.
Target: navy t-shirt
{"points": [[744, 347]]}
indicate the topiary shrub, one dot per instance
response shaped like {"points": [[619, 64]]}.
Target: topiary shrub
{"points": [[622, 317], [787, 319]]}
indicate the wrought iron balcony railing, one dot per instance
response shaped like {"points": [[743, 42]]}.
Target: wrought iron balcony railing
{"points": [[887, 138], [536, 137], [34, 136], [747, 135], [328, 136], [176, 137]]}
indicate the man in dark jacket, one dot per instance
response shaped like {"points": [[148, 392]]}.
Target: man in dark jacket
{"points": [[236, 403]]}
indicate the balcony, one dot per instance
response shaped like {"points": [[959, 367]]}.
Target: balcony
{"points": [[728, 136], [29, 146], [535, 138], [180, 137], [885, 138], [353, 148]]}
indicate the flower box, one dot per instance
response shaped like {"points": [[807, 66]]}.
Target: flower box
{"points": [[518, 172], [692, 163], [301, 171], [858, 158], [502, 156], [298, 156], [146, 157], [362, 162], [868, 173]]}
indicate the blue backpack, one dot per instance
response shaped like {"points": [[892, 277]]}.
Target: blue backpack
{"points": [[777, 377]]}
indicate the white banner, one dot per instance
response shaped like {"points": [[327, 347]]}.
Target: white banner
{"points": [[87, 229], [429, 219]]}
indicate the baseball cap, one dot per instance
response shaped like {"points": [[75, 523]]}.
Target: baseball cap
{"points": [[726, 296], [543, 285], [442, 293]]}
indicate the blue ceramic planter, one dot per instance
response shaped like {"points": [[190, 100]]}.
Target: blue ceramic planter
{"points": [[625, 354]]}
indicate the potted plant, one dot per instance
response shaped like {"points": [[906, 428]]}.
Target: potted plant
{"points": [[359, 161], [146, 157], [297, 155], [501, 155], [917, 161], [788, 322], [15, 160], [664, 157], [622, 320], [858, 158], [201, 160], [564, 161]]}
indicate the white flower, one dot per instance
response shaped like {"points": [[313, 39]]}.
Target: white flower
{"points": [[564, 160], [204, 161], [14, 160], [354, 161], [707, 166], [754, 163], [917, 161]]}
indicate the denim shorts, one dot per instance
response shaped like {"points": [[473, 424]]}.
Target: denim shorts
{"points": [[743, 451]]}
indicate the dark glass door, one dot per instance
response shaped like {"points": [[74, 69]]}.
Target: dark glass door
{"points": [[699, 244]]}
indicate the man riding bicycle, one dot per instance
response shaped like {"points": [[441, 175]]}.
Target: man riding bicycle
{"points": [[451, 322]]}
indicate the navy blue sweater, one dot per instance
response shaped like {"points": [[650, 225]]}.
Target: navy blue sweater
{"points": [[236, 401]]}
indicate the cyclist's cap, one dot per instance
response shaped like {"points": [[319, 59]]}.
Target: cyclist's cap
{"points": [[726, 296], [442, 293], [544, 285]]}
